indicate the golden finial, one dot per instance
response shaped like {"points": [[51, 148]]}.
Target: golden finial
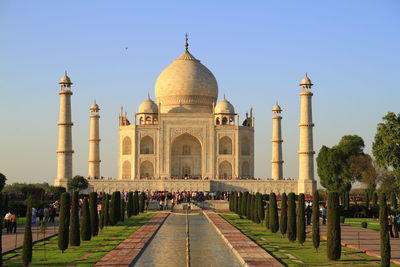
{"points": [[186, 42]]}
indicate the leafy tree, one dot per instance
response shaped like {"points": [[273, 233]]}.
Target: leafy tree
{"points": [[283, 219], [3, 180], [315, 221], [301, 224], [375, 199], [74, 231], [386, 145], [142, 201], [130, 209], [78, 183], [366, 169], [273, 213], [384, 231], [334, 247], [94, 215], [291, 230], [330, 168], [86, 232], [63, 227], [27, 245]]}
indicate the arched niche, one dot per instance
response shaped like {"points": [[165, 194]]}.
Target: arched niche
{"points": [[126, 170], [245, 145], [245, 169], [186, 156], [225, 170], [147, 145], [225, 146], [126, 146], [146, 169]]}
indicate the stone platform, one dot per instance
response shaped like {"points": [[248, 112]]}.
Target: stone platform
{"points": [[180, 185]]}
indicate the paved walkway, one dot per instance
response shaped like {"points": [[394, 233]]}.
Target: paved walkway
{"points": [[366, 240], [127, 251], [14, 241], [249, 253]]}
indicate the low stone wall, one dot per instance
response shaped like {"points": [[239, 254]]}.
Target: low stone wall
{"points": [[254, 186]]}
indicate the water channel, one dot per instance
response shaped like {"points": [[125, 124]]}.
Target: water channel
{"points": [[168, 247]]}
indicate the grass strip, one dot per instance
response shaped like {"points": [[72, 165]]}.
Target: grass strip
{"points": [[88, 253]]}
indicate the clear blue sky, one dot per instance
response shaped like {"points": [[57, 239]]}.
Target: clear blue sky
{"points": [[257, 50]]}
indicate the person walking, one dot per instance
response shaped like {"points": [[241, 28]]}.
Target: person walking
{"points": [[7, 219], [308, 214], [34, 214], [46, 213], [52, 214], [323, 213], [391, 221], [13, 223]]}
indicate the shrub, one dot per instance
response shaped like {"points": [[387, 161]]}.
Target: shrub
{"points": [[301, 224], [283, 219], [364, 225], [384, 231], [74, 235], [291, 231], [27, 245], [94, 215], [86, 232], [334, 247], [273, 213], [63, 227]]}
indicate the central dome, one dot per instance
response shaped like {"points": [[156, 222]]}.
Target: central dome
{"points": [[186, 86]]}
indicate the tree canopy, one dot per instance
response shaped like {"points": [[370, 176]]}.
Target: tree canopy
{"points": [[3, 180], [336, 165], [78, 183]]}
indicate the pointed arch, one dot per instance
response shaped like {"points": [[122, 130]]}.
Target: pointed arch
{"points": [[245, 169], [147, 145], [225, 146], [126, 170], [245, 146], [126, 146], [146, 169], [225, 170]]}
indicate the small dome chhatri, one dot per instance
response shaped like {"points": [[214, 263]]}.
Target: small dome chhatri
{"points": [[276, 108], [306, 83], [94, 107], [148, 106], [224, 106], [65, 79]]}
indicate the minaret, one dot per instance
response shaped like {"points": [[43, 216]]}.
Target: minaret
{"points": [[64, 150], [306, 149], [94, 142], [277, 162]]}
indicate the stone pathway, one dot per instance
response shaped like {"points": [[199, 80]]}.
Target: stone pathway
{"points": [[127, 251], [249, 253], [365, 240], [13, 241]]}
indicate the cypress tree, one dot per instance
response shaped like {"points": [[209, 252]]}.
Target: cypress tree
{"points": [[122, 210], [267, 209], [63, 227], [248, 207], [273, 213], [244, 204], [142, 201], [346, 200], [86, 232], [384, 231], [74, 235], [261, 212], [27, 246], [94, 215], [334, 248], [103, 205], [236, 202], [130, 204], [301, 224], [315, 221], [393, 201], [291, 214], [136, 203], [230, 202], [115, 208], [107, 210], [240, 204], [256, 207], [252, 208], [283, 219]]}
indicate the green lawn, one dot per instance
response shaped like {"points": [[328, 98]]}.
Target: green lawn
{"points": [[288, 252], [88, 253], [373, 224]]}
